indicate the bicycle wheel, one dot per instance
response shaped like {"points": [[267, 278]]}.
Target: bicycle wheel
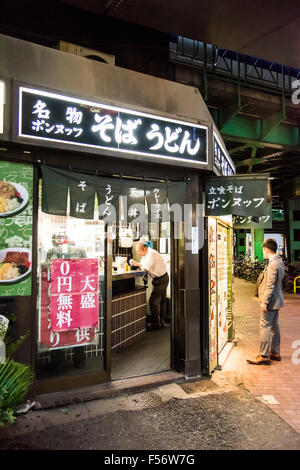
{"points": [[247, 274], [289, 286], [254, 275]]}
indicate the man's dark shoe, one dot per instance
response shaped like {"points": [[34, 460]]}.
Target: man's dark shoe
{"points": [[275, 357], [153, 327], [259, 360]]}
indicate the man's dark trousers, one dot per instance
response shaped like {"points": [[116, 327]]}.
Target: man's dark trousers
{"points": [[157, 300], [269, 333]]}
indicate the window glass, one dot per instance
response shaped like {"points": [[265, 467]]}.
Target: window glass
{"points": [[70, 295]]}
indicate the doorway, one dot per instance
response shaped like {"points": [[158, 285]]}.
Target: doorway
{"points": [[139, 350]]}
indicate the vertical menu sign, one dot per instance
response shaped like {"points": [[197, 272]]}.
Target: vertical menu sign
{"points": [[16, 188], [212, 292], [223, 165], [222, 285]]}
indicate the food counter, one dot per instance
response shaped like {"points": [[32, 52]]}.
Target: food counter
{"points": [[128, 308]]}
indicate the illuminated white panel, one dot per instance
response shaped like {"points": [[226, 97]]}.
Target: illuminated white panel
{"points": [[2, 103]]}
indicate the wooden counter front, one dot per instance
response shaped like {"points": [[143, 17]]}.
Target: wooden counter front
{"points": [[128, 318]]}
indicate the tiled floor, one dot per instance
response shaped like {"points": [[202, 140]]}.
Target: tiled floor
{"points": [[277, 385], [150, 354]]}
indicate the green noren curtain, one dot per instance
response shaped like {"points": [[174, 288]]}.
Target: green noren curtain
{"points": [[55, 191], [82, 195]]}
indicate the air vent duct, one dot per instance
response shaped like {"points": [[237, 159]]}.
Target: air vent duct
{"points": [[85, 52]]}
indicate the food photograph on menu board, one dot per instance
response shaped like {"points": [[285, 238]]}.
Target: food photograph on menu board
{"points": [[16, 185]]}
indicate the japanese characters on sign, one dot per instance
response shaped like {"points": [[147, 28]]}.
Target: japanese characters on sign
{"points": [[74, 294], [264, 221], [157, 202], [133, 198], [59, 339], [82, 195], [139, 201], [108, 194], [223, 165], [236, 196], [108, 201], [51, 117]]}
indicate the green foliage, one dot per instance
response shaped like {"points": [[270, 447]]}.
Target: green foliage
{"points": [[15, 379], [6, 414], [10, 344]]}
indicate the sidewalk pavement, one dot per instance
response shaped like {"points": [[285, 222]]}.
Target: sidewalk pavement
{"points": [[277, 385], [242, 406], [208, 414]]}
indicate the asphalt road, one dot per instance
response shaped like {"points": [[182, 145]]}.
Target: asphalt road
{"points": [[233, 420]]}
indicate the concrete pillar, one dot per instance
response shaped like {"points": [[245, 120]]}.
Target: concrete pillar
{"points": [[258, 241]]}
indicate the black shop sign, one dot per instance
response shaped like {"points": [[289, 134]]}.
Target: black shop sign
{"points": [[236, 196], [50, 117], [223, 165]]}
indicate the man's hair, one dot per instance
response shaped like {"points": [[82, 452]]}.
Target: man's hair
{"points": [[271, 244], [143, 244]]}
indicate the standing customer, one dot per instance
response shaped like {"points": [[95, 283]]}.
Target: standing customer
{"points": [[155, 265], [271, 297]]}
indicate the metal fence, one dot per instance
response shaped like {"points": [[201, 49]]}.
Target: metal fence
{"points": [[232, 65]]}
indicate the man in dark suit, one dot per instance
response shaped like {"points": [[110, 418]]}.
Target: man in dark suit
{"points": [[271, 297]]}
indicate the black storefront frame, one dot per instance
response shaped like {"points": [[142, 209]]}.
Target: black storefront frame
{"points": [[51, 385], [188, 355], [183, 352]]}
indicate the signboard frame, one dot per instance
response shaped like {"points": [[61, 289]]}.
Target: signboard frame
{"points": [[18, 136], [225, 154]]}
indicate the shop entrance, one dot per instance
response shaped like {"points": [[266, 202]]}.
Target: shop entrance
{"points": [[136, 347], [84, 271]]}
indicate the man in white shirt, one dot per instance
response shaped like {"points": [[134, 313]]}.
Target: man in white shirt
{"points": [[155, 265]]}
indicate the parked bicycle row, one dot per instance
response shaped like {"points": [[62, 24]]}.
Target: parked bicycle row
{"points": [[249, 270]]}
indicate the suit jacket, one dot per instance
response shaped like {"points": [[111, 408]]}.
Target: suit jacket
{"points": [[270, 284]]}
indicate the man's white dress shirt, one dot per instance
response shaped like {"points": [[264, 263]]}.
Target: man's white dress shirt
{"points": [[154, 263]]}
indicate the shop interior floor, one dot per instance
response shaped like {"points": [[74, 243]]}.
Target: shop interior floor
{"points": [[150, 354]]}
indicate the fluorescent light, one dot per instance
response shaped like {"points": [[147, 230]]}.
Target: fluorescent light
{"points": [[2, 103]]}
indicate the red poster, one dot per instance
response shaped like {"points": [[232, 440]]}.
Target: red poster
{"points": [[74, 294], [63, 339]]}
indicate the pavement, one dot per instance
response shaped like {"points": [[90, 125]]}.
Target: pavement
{"points": [[277, 385], [241, 407]]}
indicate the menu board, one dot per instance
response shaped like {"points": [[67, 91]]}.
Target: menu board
{"points": [[16, 188], [222, 285], [212, 294], [220, 288]]}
